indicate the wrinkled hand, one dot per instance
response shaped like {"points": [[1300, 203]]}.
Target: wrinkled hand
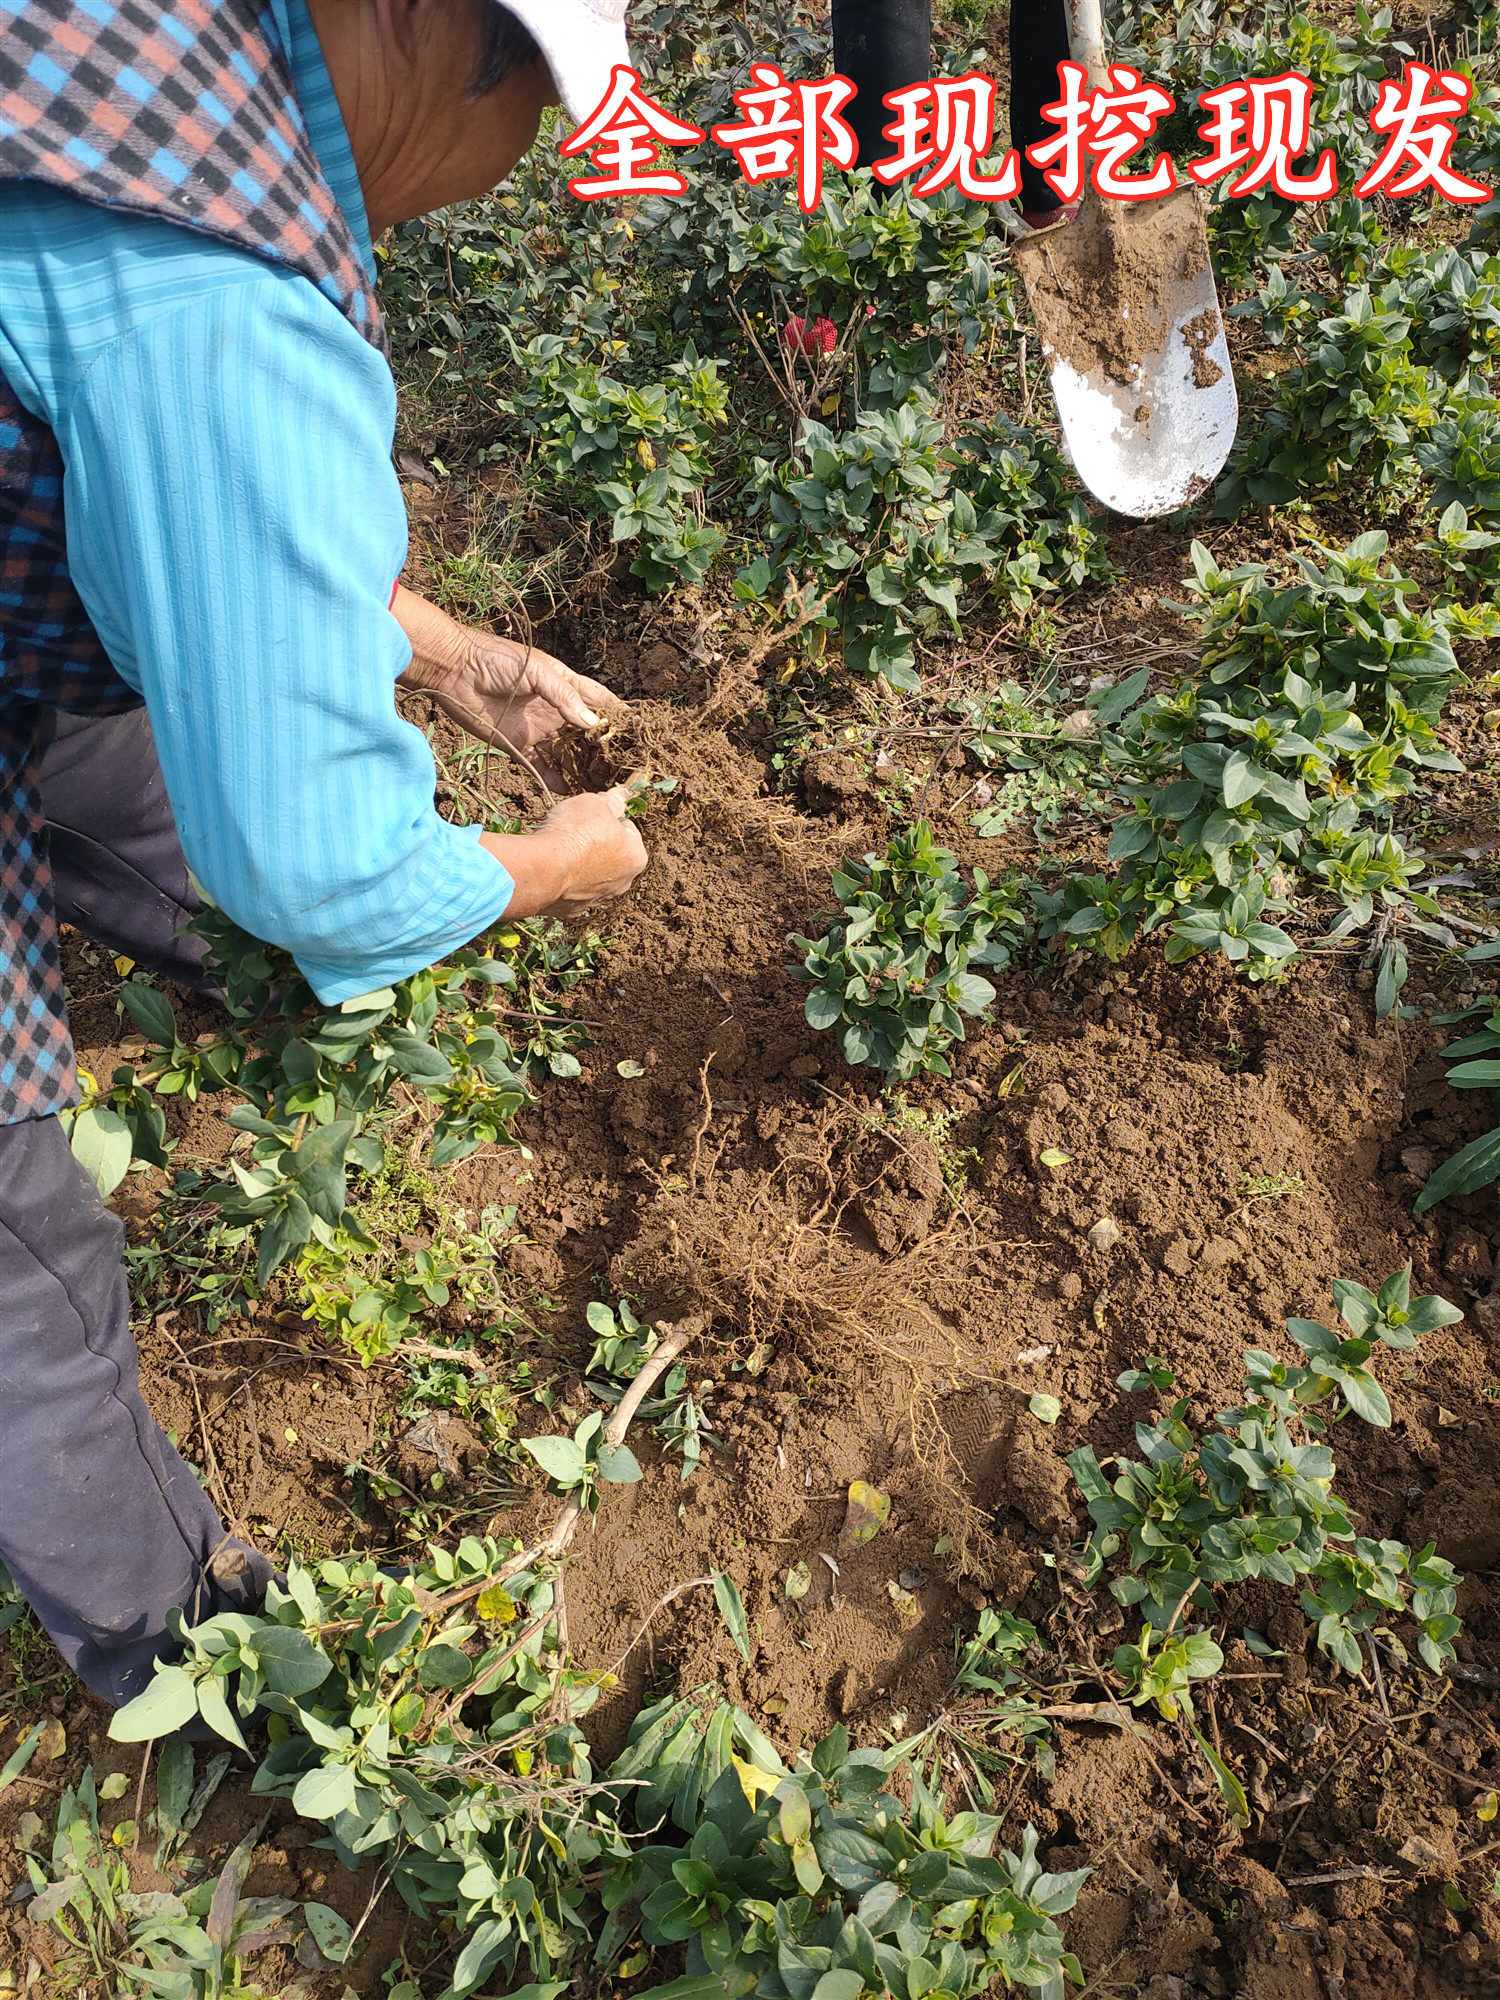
{"points": [[521, 700], [584, 852]]}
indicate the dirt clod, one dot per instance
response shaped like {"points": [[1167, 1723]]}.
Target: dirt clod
{"points": [[1102, 290]]}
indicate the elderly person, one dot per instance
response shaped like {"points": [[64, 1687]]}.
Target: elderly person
{"points": [[201, 629]]}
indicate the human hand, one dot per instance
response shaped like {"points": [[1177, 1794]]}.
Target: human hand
{"points": [[521, 700], [511, 695], [584, 852]]}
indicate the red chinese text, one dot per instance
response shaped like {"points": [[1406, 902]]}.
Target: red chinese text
{"points": [[1108, 127], [791, 127], [1261, 126], [623, 135], [940, 130], [1418, 114]]}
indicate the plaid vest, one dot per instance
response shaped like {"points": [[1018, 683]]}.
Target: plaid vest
{"points": [[184, 111]]}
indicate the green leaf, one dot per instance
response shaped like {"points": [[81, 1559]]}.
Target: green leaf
{"points": [[152, 1013], [1230, 1788], [823, 1008], [1475, 1167], [174, 1783], [481, 1951], [329, 1931], [1480, 1075], [317, 1166], [795, 1816], [169, 1702], [444, 1667], [1111, 704], [286, 1229], [1365, 1396], [732, 1609], [101, 1142], [1046, 1409], [559, 1457], [1087, 1473], [618, 1464], [325, 1792], [291, 1662], [1242, 779], [418, 1060], [214, 1709], [21, 1756]]}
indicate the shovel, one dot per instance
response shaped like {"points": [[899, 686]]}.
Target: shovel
{"points": [[1124, 299]]}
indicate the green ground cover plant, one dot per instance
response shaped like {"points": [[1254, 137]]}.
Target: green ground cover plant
{"points": [[1475, 1060], [892, 976], [679, 1415], [188, 1943], [430, 1719], [430, 1722], [326, 1094], [890, 527], [1273, 770], [1259, 788], [1246, 1500]]}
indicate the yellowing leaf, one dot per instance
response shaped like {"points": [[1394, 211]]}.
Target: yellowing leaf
{"points": [[124, 966], [87, 1081], [1487, 1807], [635, 1963], [798, 1581], [828, 405], [115, 1786], [498, 1604], [53, 1741], [291, 1435], [1051, 1157], [753, 1780], [867, 1513]]}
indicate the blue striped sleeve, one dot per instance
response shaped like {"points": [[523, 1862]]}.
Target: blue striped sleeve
{"points": [[234, 528]]}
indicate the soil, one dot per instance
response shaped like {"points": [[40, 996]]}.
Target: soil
{"points": [[882, 1299], [1103, 290], [1200, 333], [883, 1308]]}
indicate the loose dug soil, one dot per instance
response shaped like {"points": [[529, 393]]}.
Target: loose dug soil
{"points": [[1103, 289], [884, 1299]]}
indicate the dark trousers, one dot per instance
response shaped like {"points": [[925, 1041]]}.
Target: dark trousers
{"points": [[102, 1524], [883, 45]]}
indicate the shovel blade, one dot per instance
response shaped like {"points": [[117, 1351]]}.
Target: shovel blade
{"points": [[1134, 342]]}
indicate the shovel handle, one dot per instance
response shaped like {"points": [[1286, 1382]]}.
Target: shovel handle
{"points": [[1086, 41]]}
